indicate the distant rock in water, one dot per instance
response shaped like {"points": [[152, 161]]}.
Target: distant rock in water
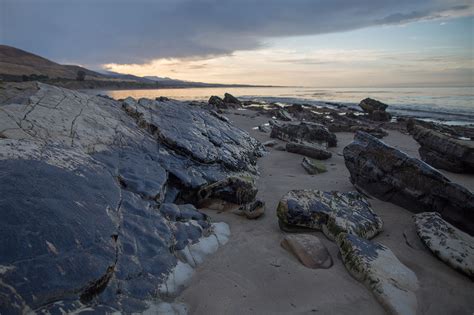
{"points": [[98, 197], [448, 243], [375, 109], [443, 151], [304, 132], [392, 175], [369, 105], [230, 99]]}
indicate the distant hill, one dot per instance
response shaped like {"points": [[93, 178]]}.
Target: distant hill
{"points": [[17, 62], [20, 65]]}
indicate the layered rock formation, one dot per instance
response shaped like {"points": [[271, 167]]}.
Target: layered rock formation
{"points": [[375, 109], [304, 132], [442, 151], [97, 207], [392, 175]]}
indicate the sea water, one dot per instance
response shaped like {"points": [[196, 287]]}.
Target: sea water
{"points": [[449, 105]]}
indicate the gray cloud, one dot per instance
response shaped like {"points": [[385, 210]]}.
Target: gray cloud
{"points": [[135, 31]]}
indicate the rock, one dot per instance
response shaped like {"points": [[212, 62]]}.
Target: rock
{"points": [[252, 210], [280, 147], [370, 105], [313, 167], [283, 115], [332, 212], [309, 250], [217, 115], [217, 102], [230, 99], [236, 190], [162, 99], [392, 175], [448, 243], [270, 143], [391, 282], [444, 152], [310, 150], [380, 115], [374, 131], [265, 128], [96, 213], [304, 132]]}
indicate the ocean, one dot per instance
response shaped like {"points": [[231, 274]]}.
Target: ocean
{"points": [[449, 105]]}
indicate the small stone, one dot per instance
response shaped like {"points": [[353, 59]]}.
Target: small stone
{"points": [[252, 210], [310, 150], [270, 143], [312, 166], [309, 250]]}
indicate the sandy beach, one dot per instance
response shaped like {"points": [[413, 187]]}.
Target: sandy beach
{"points": [[253, 274]]}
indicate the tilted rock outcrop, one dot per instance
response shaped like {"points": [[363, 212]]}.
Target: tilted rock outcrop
{"points": [[304, 132], [95, 210], [443, 151], [392, 175]]}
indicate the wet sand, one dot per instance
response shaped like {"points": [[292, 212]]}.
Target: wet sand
{"points": [[253, 274]]}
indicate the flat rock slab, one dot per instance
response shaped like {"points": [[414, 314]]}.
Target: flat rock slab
{"points": [[448, 243], [309, 250], [309, 150], [304, 132], [330, 211], [391, 282], [391, 175]]}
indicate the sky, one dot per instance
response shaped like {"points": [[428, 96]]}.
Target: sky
{"points": [[320, 43]]}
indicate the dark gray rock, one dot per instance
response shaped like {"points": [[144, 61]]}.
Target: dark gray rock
{"points": [[283, 115], [95, 209], [444, 152], [264, 128], [230, 99], [332, 212], [374, 131], [309, 150], [304, 132], [391, 175], [252, 210], [380, 115], [370, 105]]}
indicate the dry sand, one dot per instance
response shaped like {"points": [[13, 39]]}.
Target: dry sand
{"points": [[253, 274]]}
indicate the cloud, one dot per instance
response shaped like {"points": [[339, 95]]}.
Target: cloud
{"points": [[94, 32]]}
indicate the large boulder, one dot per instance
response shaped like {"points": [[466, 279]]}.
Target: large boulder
{"points": [[448, 243], [442, 151], [391, 282], [95, 209], [391, 175], [304, 132], [369, 105], [310, 150], [329, 211]]}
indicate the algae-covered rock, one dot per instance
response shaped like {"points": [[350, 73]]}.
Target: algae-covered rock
{"points": [[391, 282], [309, 250], [330, 211], [236, 190], [312, 166], [252, 210], [448, 243]]}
